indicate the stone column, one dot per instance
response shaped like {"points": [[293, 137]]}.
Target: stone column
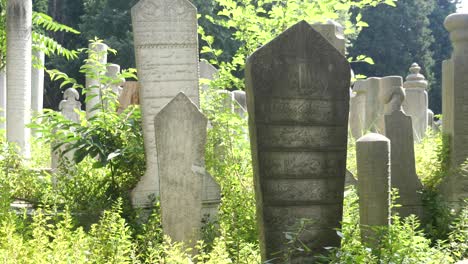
{"points": [[3, 99], [374, 108], [298, 121], [373, 168], [455, 106], [97, 53], [37, 82], [19, 45], [417, 101]]}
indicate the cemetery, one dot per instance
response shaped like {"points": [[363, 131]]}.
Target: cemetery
{"points": [[233, 131]]}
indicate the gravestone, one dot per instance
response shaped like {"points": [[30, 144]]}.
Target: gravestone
{"points": [[455, 107], [19, 57], [357, 109], [69, 107], [3, 99], [207, 72], [37, 82], [399, 130], [97, 53], [298, 101], [417, 101], [334, 33], [240, 103], [114, 88], [180, 129], [166, 47], [374, 184]]}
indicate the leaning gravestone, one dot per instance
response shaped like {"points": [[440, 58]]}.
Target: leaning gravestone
{"points": [[180, 130], [374, 185], [166, 46], [298, 96], [399, 130], [455, 107], [3, 99], [417, 101], [19, 57]]}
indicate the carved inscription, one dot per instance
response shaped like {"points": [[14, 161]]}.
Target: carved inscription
{"points": [[298, 100], [166, 46]]}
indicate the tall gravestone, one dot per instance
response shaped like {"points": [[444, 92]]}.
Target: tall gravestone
{"points": [[455, 106], [166, 47], [19, 45], [417, 101], [114, 88], [207, 72], [37, 82], [3, 99], [399, 129], [298, 101], [180, 129], [97, 54], [357, 109], [374, 185]]}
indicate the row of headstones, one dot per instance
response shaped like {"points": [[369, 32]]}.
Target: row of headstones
{"points": [[369, 98]]}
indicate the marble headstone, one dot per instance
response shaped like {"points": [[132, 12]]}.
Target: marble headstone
{"points": [[298, 101], [207, 72], [166, 47], [180, 129], [19, 58], [374, 185], [98, 53]]}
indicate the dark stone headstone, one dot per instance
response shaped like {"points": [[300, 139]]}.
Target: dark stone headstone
{"points": [[298, 102]]}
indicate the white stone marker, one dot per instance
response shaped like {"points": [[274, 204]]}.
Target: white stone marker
{"points": [[374, 184], [37, 83], [357, 109], [334, 33], [455, 106], [180, 129], [68, 107], [97, 52], [3, 99], [114, 89], [166, 46], [417, 101], [19, 44]]}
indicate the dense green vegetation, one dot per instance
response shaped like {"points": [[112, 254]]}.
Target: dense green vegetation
{"points": [[81, 213]]}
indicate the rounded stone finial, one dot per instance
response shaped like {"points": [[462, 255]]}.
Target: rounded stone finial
{"points": [[457, 25], [71, 93], [415, 79]]}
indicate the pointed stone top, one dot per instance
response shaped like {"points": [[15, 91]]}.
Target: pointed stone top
{"points": [[180, 103], [155, 10], [373, 137], [415, 79]]}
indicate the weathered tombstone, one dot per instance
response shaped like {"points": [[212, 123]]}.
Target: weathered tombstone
{"points": [[374, 185], [399, 130], [298, 96], [3, 99], [357, 109], [97, 53], [417, 101], [130, 95], [334, 33], [166, 47], [207, 72], [114, 89], [455, 107], [180, 129], [211, 198], [19, 45], [68, 107], [37, 82], [241, 98]]}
